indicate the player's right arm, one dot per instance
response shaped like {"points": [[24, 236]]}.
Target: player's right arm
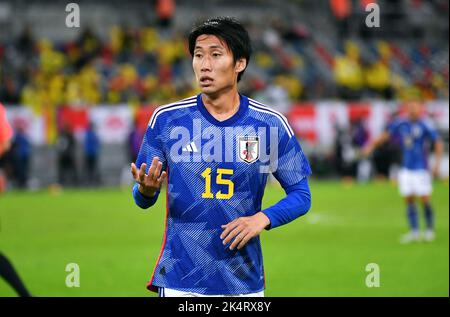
{"points": [[371, 146], [149, 170], [433, 134], [391, 129], [438, 152]]}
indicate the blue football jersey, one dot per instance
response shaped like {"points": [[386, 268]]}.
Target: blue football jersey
{"points": [[217, 172], [414, 136]]}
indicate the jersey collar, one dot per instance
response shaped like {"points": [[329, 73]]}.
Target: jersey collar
{"points": [[243, 106]]}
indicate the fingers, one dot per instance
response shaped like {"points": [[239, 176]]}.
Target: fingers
{"points": [[228, 227], [241, 235], [157, 172], [162, 177], [155, 175], [239, 240], [153, 167], [241, 230], [138, 175], [141, 176], [149, 183], [238, 230], [232, 234], [133, 170], [244, 241]]}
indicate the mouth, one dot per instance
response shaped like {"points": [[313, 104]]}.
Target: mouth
{"points": [[206, 81]]}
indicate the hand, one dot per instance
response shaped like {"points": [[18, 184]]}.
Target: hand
{"points": [[149, 183], [244, 229], [366, 151], [4, 147], [435, 171]]}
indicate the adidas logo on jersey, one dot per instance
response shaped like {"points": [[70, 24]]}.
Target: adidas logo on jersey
{"points": [[191, 147]]}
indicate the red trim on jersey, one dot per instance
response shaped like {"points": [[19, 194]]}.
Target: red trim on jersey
{"points": [[151, 287], [264, 279]]}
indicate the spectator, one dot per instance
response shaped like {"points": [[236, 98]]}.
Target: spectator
{"points": [[387, 157], [342, 10], [21, 151], [91, 154], [150, 65], [348, 72], [65, 145], [165, 10], [360, 136], [378, 79], [345, 155]]}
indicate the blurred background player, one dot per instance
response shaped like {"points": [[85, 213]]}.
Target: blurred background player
{"points": [[414, 177], [91, 154], [20, 157], [7, 271], [65, 144]]}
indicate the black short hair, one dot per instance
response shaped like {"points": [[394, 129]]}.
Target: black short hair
{"points": [[230, 31]]}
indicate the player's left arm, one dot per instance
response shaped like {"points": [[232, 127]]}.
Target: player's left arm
{"points": [[291, 170], [438, 148], [438, 152]]}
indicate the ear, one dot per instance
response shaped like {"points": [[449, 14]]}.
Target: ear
{"points": [[240, 65]]}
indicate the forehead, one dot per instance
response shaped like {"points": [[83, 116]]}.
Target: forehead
{"points": [[209, 40]]}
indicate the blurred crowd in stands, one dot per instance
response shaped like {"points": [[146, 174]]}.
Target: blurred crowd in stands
{"points": [[151, 65]]}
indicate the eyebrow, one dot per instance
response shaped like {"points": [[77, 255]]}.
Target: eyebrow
{"points": [[210, 47]]}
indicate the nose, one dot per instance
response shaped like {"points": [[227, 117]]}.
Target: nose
{"points": [[206, 64]]}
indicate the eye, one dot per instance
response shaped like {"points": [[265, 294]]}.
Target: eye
{"points": [[216, 54], [198, 55]]}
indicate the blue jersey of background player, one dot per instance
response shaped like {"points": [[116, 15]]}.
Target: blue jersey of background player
{"points": [[216, 150], [414, 179]]}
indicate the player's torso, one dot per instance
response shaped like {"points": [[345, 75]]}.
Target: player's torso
{"points": [[219, 170], [216, 173], [413, 136]]}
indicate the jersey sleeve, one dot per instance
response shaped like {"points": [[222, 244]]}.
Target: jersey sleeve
{"points": [[296, 203], [291, 164], [291, 169], [151, 146]]}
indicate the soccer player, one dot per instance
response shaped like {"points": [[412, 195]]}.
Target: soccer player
{"points": [[414, 178], [216, 150], [7, 270]]}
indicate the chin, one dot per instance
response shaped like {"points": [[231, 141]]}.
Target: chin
{"points": [[208, 90]]}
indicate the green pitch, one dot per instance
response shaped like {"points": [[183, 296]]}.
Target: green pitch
{"points": [[324, 253]]}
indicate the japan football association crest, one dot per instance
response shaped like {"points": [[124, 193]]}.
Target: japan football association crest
{"points": [[249, 148]]}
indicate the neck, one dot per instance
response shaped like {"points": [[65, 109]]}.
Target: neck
{"points": [[223, 106]]}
